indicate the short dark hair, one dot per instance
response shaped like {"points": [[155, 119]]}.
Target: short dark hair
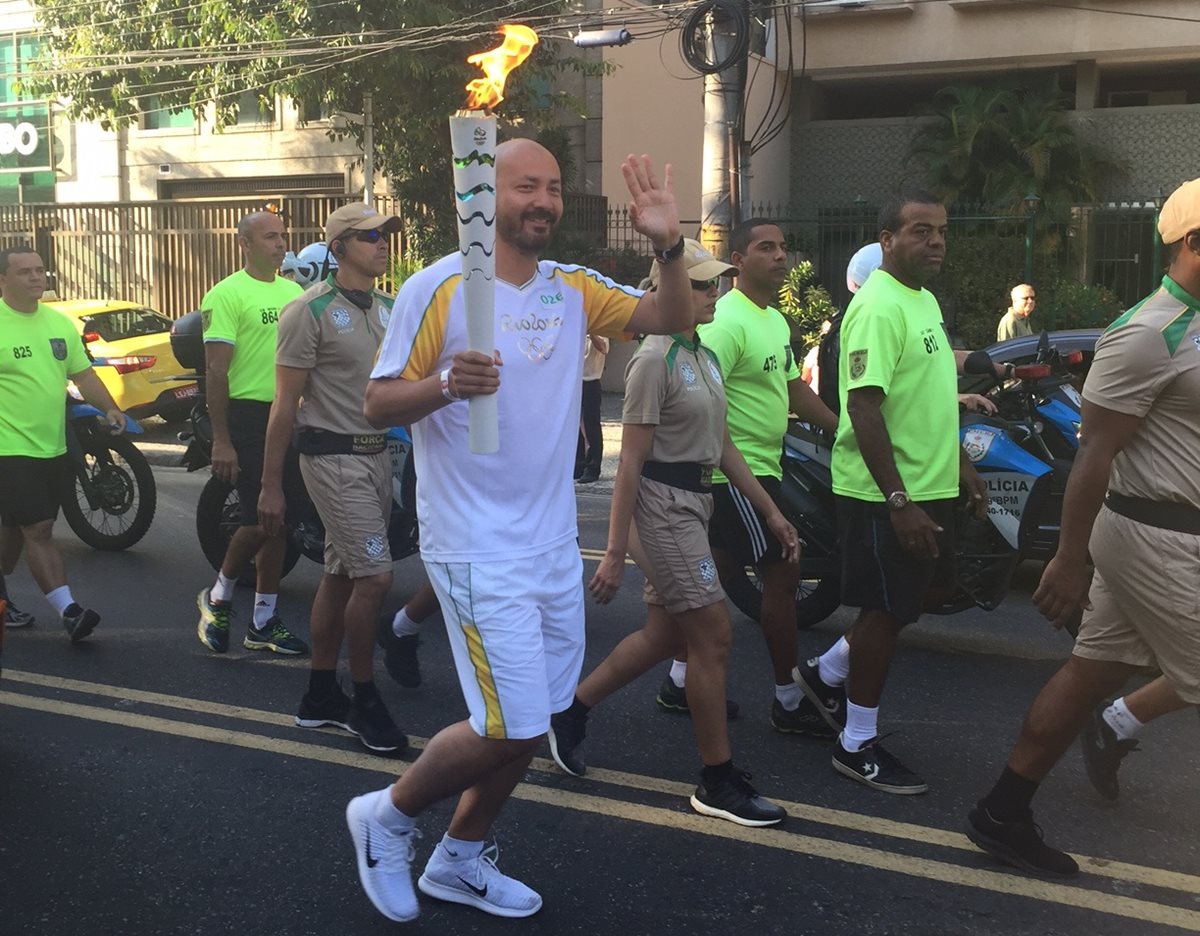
{"points": [[743, 233], [890, 214], [9, 252]]}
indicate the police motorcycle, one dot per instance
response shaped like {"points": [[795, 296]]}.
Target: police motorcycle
{"points": [[1023, 462], [111, 497], [218, 510]]}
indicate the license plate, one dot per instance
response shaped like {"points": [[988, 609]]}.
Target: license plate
{"points": [[183, 393]]}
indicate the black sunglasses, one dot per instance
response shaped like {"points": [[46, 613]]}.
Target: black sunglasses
{"points": [[706, 285], [373, 236]]}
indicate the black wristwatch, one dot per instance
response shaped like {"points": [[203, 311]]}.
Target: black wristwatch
{"points": [[671, 253], [898, 500]]}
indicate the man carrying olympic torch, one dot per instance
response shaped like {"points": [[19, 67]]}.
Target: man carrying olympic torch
{"points": [[498, 530]]}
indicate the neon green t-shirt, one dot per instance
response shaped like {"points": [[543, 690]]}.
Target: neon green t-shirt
{"points": [[244, 312], [39, 352], [753, 347], [893, 338]]}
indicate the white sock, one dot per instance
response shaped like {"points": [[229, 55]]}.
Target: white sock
{"points": [[862, 724], [461, 850], [1122, 721], [264, 608], [403, 625], [223, 590], [678, 673], [388, 816], [789, 695], [834, 665], [60, 598]]}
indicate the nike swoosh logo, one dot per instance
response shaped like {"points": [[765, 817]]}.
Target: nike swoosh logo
{"points": [[371, 861], [479, 892]]}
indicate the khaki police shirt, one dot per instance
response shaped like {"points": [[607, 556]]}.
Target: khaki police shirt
{"points": [[1148, 365], [676, 386], [326, 334]]}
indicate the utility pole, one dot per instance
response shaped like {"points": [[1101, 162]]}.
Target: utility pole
{"points": [[721, 196], [368, 148]]}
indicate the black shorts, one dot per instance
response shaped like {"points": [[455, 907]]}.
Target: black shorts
{"points": [[248, 434], [739, 529], [878, 574], [31, 489]]}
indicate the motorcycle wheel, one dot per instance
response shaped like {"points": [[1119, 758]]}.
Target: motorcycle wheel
{"points": [[816, 599], [217, 519], [123, 487]]}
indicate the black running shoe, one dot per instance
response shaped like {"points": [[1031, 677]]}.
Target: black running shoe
{"points": [[875, 767], [804, 719], [830, 701], [274, 636], [399, 653], [1103, 752], [736, 800], [566, 734], [1020, 844], [16, 619], [673, 698], [319, 713], [375, 729], [79, 622]]}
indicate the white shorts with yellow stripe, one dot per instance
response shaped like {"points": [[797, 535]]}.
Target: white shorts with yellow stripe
{"points": [[516, 629]]}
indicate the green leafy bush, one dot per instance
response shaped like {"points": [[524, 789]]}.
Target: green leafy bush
{"points": [[1071, 304], [805, 303]]}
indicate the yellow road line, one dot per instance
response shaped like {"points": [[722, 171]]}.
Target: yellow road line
{"points": [[838, 818], [929, 869]]}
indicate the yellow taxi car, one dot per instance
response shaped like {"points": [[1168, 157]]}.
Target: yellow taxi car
{"points": [[131, 348]]}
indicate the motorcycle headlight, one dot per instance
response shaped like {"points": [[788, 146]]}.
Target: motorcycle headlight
{"points": [[1075, 426]]}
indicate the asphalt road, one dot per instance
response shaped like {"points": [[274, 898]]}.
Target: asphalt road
{"points": [[150, 787]]}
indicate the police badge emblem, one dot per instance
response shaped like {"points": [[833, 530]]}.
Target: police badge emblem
{"points": [[58, 347], [858, 364]]}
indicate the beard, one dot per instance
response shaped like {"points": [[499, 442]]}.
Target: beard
{"points": [[512, 231]]}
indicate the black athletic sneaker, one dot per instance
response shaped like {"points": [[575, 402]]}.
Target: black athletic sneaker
{"points": [[830, 701], [319, 713], [274, 636], [736, 800], [804, 719], [1103, 752], [566, 734], [16, 618], [79, 622], [399, 653], [877, 768], [375, 729], [1019, 843], [673, 698]]}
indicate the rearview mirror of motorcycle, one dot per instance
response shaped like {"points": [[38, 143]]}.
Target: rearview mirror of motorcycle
{"points": [[978, 362], [1032, 371]]}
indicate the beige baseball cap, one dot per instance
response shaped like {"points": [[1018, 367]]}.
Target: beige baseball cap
{"points": [[700, 264], [1180, 213], [358, 217]]}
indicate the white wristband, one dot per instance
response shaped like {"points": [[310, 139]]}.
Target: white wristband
{"points": [[446, 391]]}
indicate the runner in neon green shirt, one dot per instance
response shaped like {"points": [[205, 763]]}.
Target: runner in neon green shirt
{"points": [[39, 351], [751, 341], [241, 321]]}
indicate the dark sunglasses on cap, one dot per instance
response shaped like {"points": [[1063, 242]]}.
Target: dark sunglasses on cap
{"points": [[706, 285]]}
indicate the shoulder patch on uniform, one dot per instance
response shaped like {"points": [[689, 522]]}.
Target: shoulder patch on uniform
{"points": [[858, 363], [205, 319], [318, 305], [1174, 331]]}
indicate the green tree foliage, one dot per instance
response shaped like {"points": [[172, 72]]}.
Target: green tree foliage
{"points": [[112, 59], [992, 145], [805, 303]]}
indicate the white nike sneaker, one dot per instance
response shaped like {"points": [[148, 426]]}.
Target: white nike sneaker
{"points": [[477, 882], [384, 859]]}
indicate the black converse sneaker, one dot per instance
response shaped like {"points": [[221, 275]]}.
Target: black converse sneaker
{"points": [[1019, 843], [736, 800], [830, 701], [875, 767]]}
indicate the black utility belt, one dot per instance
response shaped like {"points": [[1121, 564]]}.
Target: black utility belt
{"points": [[691, 476], [1166, 515], [323, 442]]}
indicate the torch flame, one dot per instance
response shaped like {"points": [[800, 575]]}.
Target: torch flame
{"points": [[497, 63]]}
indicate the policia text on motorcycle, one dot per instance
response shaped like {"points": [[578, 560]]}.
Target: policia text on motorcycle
{"points": [[39, 351]]}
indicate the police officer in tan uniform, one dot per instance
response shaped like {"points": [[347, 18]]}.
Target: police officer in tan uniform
{"points": [[1133, 504]]}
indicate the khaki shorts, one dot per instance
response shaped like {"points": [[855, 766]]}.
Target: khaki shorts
{"points": [[1145, 604], [672, 529], [353, 495]]}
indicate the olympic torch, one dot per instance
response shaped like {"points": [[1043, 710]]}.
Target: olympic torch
{"points": [[473, 142]]}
